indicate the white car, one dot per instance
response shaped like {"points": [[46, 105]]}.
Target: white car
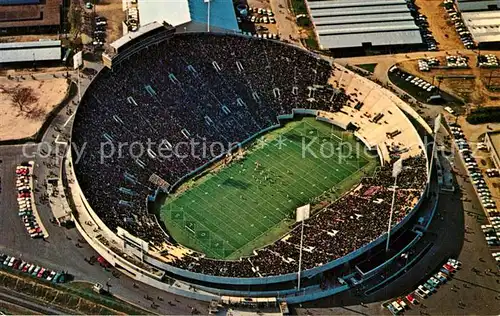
{"points": [[51, 276], [424, 290], [420, 294], [397, 307]]}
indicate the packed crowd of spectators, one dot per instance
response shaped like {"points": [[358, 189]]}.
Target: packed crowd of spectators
{"points": [[224, 89], [355, 220]]}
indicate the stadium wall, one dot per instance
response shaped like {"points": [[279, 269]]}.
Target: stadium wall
{"points": [[116, 259]]}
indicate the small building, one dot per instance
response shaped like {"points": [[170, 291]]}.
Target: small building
{"points": [[30, 16], [31, 54], [355, 27], [492, 141]]}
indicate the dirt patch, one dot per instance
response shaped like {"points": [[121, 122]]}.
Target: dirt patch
{"points": [[112, 11], [24, 105], [469, 84], [442, 29]]}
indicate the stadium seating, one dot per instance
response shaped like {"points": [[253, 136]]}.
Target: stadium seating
{"points": [[223, 89]]}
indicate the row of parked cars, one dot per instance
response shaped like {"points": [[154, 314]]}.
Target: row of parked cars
{"points": [[487, 61], [455, 18], [426, 289], [492, 233], [425, 64], [421, 83], [25, 201], [32, 269], [99, 37], [423, 25], [473, 169], [258, 15], [263, 35], [457, 61], [496, 256]]}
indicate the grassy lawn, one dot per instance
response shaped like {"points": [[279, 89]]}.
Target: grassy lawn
{"points": [[367, 67], [251, 202]]}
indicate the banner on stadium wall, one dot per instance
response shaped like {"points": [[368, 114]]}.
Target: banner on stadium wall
{"points": [[397, 167], [77, 60], [437, 124], [303, 213]]}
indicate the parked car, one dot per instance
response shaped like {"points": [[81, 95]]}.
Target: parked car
{"points": [[40, 273], [411, 298]]}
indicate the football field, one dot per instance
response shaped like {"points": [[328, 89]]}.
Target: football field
{"points": [[251, 202]]}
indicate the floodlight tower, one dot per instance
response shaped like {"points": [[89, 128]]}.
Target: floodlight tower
{"points": [[208, 14]]}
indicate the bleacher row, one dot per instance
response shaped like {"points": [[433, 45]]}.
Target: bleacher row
{"points": [[214, 88]]}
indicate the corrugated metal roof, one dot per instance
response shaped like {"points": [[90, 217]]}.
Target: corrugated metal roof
{"points": [[222, 13], [174, 12], [367, 18], [366, 27], [360, 10], [30, 51], [347, 3], [377, 39], [475, 5], [35, 44], [483, 26], [350, 23]]}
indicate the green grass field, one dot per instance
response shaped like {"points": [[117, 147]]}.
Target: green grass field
{"points": [[229, 212]]}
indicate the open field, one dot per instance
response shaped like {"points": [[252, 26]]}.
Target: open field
{"points": [[25, 104], [367, 67], [251, 202]]}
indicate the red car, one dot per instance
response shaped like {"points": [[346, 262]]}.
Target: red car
{"points": [[40, 273], [16, 263], [102, 262], [26, 267], [411, 299], [448, 267]]}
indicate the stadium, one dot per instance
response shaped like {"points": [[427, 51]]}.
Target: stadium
{"points": [[241, 132]]}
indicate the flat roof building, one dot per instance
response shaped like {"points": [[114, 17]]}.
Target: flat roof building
{"points": [[345, 24], [190, 15], [492, 141], [30, 16], [30, 52], [484, 27], [477, 5]]}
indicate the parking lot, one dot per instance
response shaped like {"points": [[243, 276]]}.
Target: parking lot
{"points": [[455, 230], [440, 27]]}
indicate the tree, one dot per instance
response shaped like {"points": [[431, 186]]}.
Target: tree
{"points": [[23, 97]]}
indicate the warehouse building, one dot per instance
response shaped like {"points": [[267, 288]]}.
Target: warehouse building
{"points": [[477, 5], [492, 141], [350, 27], [484, 27], [30, 16], [30, 54], [190, 15]]}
